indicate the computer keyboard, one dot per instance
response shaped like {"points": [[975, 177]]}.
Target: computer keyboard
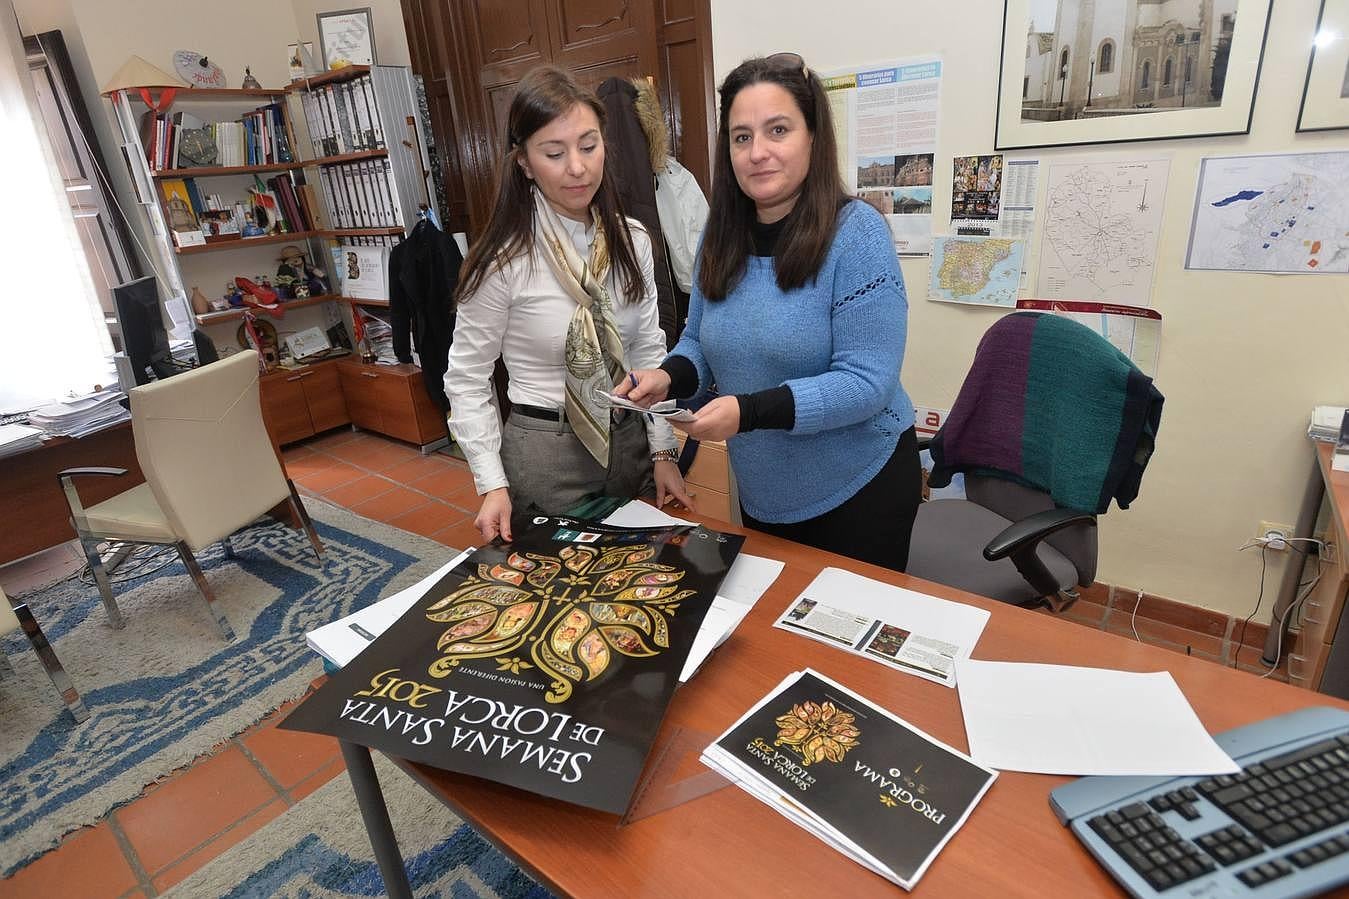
{"points": [[1279, 827]]}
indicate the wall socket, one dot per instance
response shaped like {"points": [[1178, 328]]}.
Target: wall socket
{"points": [[1287, 530], [1267, 526]]}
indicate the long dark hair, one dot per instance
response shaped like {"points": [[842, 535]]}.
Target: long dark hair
{"points": [[542, 95], [809, 230]]}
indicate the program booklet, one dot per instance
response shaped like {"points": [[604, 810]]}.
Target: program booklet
{"points": [[546, 663], [866, 782]]}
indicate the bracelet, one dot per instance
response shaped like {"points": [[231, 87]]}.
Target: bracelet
{"points": [[665, 455]]}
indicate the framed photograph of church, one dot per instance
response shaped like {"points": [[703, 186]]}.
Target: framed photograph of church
{"points": [[1124, 70], [1325, 94]]}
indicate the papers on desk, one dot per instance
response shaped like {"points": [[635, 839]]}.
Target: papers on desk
{"points": [[665, 409], [637, 514], [909, 631], [82, 415], [1060, 719], [342, 640], [864, 781], [17, 439]]}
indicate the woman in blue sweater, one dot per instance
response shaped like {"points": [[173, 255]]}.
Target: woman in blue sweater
{"points": [[797, 324]]}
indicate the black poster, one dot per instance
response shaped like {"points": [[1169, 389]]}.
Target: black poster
{"points": [[546, 663], [896, 793]]}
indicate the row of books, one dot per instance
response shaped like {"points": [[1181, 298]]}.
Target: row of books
{"points": [[361, 194], [343, 118], [182, 140], [280, 203]]}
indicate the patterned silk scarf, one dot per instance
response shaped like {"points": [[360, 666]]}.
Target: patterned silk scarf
{"points": [[594, 349]]}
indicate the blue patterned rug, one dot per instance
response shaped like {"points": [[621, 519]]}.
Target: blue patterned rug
{"points": [[167, 689], [319, 848]]}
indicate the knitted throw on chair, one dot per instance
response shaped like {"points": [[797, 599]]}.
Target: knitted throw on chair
{"points": [[1050, 403]]}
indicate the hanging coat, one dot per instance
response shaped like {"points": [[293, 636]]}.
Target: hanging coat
{"points": [[423, 273]]}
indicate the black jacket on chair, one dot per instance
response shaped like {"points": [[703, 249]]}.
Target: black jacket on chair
{"points": [[423, 272]]}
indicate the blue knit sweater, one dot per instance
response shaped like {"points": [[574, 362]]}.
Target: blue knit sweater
{"points": [[838, 343]]}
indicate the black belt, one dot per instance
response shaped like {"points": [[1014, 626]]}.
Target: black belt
{"points": [[535, 412]]}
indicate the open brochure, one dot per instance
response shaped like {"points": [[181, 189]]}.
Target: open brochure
{"points": [[909, 631], [866, 782], [664, 409]]}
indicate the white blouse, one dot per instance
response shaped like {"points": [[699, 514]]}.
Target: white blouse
{"points": [[520, 314]]}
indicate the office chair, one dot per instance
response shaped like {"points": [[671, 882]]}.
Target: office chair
{"points": [[210, 468], [1052, 422], [18, 616]]}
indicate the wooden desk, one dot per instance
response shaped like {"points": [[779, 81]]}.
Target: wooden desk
{"points": [[1315, 659], [31, 500], [728, 844]]}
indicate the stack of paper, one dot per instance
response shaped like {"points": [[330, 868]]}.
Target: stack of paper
{"points": [[864, 781], [379, 336], [18, 438], [1325, 424], [82, 415]]}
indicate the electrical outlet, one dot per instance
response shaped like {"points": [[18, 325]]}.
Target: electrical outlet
{"points": [[1268, 527]]}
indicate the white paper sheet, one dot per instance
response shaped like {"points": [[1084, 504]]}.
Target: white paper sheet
{"points": [[339, 641], [906, 630], [637, 514], [1061, 719]]}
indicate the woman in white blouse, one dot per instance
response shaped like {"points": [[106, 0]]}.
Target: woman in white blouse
{"points": [[559, 286]]}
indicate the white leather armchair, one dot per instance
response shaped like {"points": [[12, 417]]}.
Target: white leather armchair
{"points": [[18, 616], [210, 468]]}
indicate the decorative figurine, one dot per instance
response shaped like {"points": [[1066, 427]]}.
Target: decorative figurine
{"points": [[200, 305], [249, 82], [251, 228], [307, 277]]}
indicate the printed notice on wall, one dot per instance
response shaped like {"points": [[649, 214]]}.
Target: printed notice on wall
{"points": [[885, 119]]}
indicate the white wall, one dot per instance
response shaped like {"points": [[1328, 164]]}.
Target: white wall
{"points": [[1244, 356]]}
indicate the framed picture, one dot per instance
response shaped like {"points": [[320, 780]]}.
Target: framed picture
{"points": [[347, 36], [1126, 70], [300, 60], [1325, 94]]}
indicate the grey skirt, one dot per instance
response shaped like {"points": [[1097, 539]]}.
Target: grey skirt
{"points": [[551, 470]]}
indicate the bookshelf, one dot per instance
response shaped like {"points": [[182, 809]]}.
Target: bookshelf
{"points": [[358, 173]]}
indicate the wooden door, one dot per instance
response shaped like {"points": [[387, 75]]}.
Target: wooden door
{"points": [[472, 53]]}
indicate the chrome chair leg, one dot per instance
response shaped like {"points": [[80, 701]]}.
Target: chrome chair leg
{"points": [[190, 562], [69, 695], [229, 547], [303, 516], [90, 547]]}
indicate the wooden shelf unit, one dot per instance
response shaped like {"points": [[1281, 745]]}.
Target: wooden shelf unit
{"points": [[333, 76], [288, 237], [228, 315]]}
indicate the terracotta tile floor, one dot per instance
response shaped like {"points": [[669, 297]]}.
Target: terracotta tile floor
{"points": [[178, 825]]}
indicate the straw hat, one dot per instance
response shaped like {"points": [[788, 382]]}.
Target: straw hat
{"points": [[136, 72]]}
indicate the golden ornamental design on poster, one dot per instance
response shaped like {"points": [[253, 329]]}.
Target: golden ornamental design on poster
{"points": [[817, 731], [573, 613], [546, 663]]}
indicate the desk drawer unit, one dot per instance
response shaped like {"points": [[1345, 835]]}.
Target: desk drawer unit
{"points": [[392, 400], [710, 480]]}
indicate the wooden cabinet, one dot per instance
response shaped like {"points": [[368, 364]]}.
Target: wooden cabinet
{"points": [[302, 402], [709, 479], [392, 400]]}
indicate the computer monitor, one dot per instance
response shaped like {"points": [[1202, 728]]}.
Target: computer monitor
{"points": [[144, 339]]}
